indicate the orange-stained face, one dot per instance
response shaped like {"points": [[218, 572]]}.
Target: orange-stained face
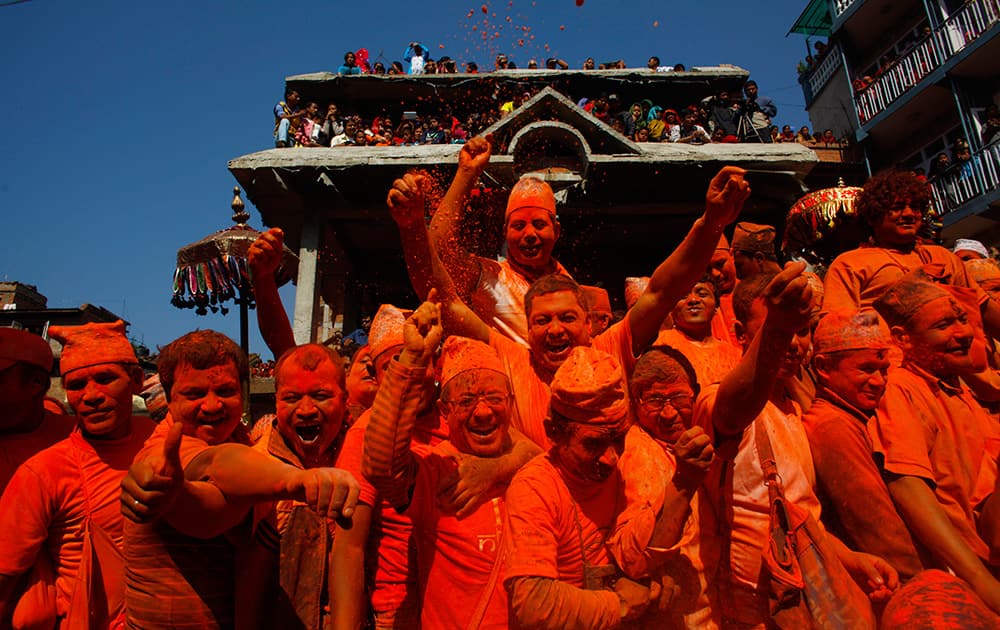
{"points": [[310, 406], [939, 337], [557, 323], [209, 402], [531, 235], [898, 227], [857, 376], [664, 410], [967, 254], [590, 453], [798, 348], [361, 383], [693, 313], [476, 404], [101, 397], [723, 271]]}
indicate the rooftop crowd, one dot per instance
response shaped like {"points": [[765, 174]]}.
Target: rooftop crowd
{"points": [[722, 117], [747, 446]]}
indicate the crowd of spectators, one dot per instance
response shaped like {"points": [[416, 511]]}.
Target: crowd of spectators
{"points": [[725, 117]]}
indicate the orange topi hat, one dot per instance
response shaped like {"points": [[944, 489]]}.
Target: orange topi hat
{"points": [[634, 287], [21, 346], [461, 354], [908, 296], [752, 237], [386, 330], [92, 344], [597, 299], [982, 270], [531, 192], [850, 330], [589, 388]]}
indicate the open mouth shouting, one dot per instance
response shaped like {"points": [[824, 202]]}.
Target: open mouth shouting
{"points": [[308, 433]]}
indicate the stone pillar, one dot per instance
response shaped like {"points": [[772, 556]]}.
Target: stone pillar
{"points": [[306, 296]]}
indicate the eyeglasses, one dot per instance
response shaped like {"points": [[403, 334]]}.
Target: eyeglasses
{"points": [[468, 402], [655, 404]]}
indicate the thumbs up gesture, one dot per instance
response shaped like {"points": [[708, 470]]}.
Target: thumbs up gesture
{"points": [[151, 485]]}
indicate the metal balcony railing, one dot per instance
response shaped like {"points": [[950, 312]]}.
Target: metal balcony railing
{"points": [[817, 77], [960, 30], [965, 181]]}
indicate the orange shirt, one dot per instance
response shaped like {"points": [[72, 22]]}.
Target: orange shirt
{"points": [[530, 382], [555, 528], [45, 505], [860, 276], [498, 298], [712, 359], [647, 467], [391, 552], [171, 579], [16, 448], [929, 429], [748, 502], [857, 507], [455, 557]]}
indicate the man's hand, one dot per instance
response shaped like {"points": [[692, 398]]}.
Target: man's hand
{"points": [[329, 492], [727, 193], [406, 200], [151, 485], [265, 254], [789, 298], [475, 155], [461, 492], [422, 333], [635, 598], [875, 576], [695, 455]]}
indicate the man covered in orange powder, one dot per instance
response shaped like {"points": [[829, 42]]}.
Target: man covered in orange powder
{"points": [[851, 362], [753, 250], [557, 316], [938, 448], [27, 427], [308, 430], [63, 502], [773, 313], [722, 271], [892, 204], [496, 289], [692, 335], [459, 556], [663, 465], [195, 482], [562, 507]]}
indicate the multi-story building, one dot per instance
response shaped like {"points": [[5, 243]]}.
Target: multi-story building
{"points": [[911, 81]]}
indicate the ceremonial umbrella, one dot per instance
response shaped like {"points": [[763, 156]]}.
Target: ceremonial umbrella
{"points": [[822, 224], [214, 270]]}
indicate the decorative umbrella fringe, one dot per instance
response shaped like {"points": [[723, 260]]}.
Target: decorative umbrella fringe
{"points": [[206, 286]]}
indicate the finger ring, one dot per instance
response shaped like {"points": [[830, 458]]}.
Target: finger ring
{"points": [[136, 502]]}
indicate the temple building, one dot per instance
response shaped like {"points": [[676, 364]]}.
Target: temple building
{"points": [[624, 203]]}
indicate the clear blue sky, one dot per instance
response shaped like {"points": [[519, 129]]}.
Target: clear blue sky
{"points": [[121, 116]]}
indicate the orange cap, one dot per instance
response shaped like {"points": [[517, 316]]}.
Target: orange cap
{"points": [[461, 354], [386, 330], [597, 298], [752, 237], [21, 346], [531, 192], [908, 296], [92, 344], [850, 330], [589, 388]]}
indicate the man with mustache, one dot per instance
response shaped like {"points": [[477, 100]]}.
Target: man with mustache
{"points": [[562, 507], [851, 362], [63, 502], [937, 445]]}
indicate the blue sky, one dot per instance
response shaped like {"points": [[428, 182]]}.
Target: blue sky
{"points": [[121, 116]]}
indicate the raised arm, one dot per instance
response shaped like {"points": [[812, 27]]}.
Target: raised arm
{"points": [[388, 461], [445, 225], [675, 276], [264, 259], [746, 389], [406, 204]]}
